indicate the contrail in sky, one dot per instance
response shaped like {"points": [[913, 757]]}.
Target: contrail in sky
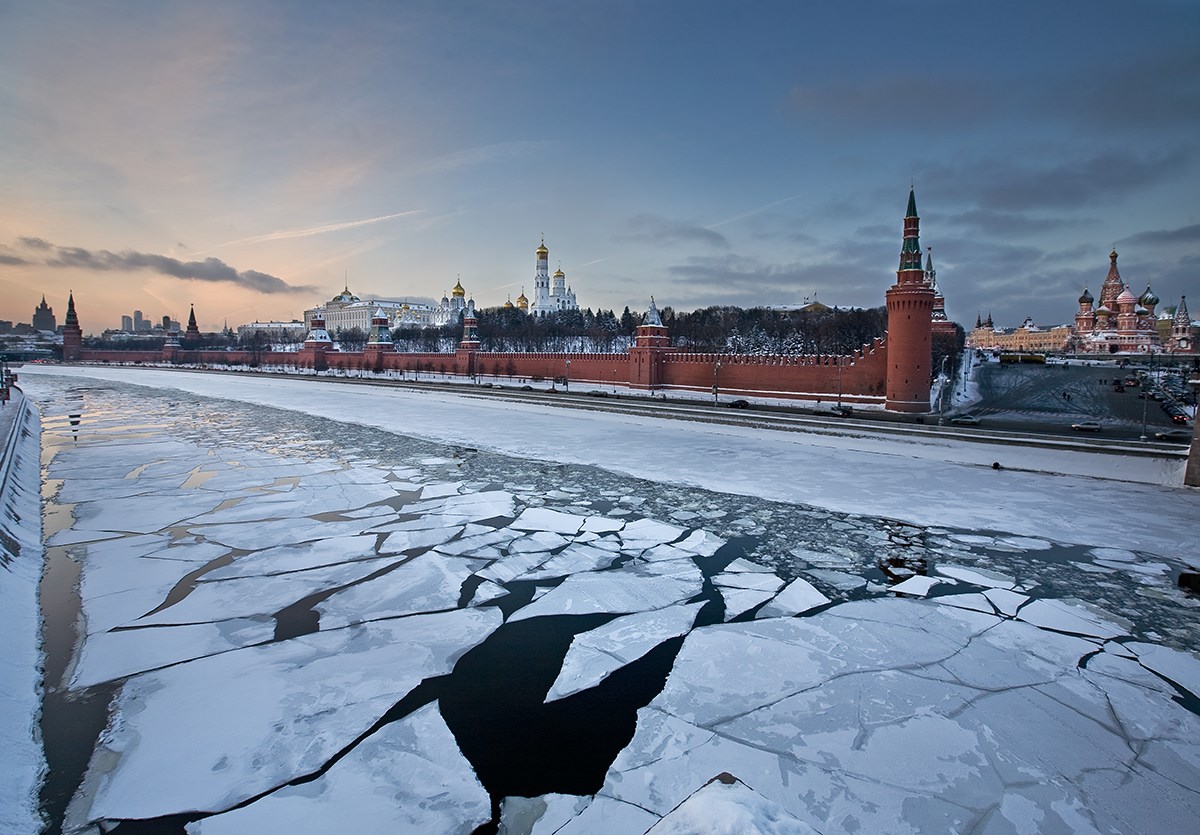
{"points": [[317, 230], [752, 212]]}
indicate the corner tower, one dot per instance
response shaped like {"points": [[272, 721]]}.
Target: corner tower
{"points": [[72, 333], [910, 309]]}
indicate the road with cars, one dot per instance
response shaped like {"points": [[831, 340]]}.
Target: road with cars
{"points": [[1051, 398]]}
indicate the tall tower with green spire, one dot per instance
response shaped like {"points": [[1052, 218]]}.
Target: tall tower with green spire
{"points": [[910, 310]]}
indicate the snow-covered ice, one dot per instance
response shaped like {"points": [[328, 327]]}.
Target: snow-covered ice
{"points": [[905, 716], [259, 717], [407, 777], [890, 713], [596, 654], [638, 588], [798, 596]]}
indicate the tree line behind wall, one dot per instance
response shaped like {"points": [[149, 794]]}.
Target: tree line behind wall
{"points": [[730, 330]]}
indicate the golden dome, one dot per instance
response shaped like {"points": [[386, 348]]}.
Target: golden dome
{"points": [[508, 304], [559, 273], [522, 302], [458, 291], [542, 252]]}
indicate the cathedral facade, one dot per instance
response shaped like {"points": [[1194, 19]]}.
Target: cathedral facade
{"points": [[1121, 322]]}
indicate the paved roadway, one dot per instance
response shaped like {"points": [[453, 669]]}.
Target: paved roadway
{"points": [[1031, 398]]}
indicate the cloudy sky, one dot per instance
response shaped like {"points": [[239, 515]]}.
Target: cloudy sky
{"points": [[253, 157]]}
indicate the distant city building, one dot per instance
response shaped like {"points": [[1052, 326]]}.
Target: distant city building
{"points": [[1028, 338], [43, 317], [273, 332], [139, 322], [549, 297], [346, 311], [127, 324]]}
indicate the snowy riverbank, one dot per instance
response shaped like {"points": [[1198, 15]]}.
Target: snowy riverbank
{"points": [[22, 763]]}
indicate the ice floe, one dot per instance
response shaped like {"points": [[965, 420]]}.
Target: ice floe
{"points": [[635, 588], [408, 776], [798, 596], [993, 720], [595, 654], [256, 718]]}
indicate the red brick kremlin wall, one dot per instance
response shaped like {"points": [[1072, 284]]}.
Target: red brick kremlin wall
{"points": [[860, 378]]}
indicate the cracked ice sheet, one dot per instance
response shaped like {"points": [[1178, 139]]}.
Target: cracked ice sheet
{"points": [[259, 717], [545, 519], [1065, 617], [281, 559], [597, 653], [138, 515], [255, 537], [729, 808], [302, 501], [633, 588], [239, 597], [409, 776], [106, 656], [1180, 667], [119, 585], [799, 596], [426, 583], [985, 713]]}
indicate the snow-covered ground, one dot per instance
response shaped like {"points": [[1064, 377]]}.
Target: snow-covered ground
{"points": [[283, 585], [21, 760]]}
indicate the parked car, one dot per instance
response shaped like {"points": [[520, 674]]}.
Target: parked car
{"points": [[739, 404], [1179, 418], [1181, 436], [1087, 426], [965, 420], [842, 410]]}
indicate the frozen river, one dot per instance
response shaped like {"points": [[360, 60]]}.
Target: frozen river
{"points": [[262, 620]]}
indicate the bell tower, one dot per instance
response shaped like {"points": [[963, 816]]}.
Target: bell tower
{"points": [[910, 308]]}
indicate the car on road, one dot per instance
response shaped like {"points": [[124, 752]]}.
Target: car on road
{"points": [[965, 420], [1179, 418], [739, 404], [1181, 436], [842, 410], [1087, 426]]}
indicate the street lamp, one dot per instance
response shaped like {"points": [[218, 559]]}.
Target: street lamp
{"points": [[839, 365], [567, 379], [942, 393], [1146, 396], [716, 368]]}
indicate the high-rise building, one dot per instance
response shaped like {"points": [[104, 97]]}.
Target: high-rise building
{"points": [[139, 322], [127, 324], [43, 317]]}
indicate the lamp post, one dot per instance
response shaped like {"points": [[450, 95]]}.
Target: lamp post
{"points": [[567, 379], [1146, 396], [942, 393], [839, 365], [716, 368]]}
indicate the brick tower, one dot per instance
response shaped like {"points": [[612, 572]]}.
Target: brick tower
{"points": [[910, 308], [645, 357], [72, 333]]}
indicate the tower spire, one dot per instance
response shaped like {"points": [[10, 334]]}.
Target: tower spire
{"points": [[910, 254]]}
